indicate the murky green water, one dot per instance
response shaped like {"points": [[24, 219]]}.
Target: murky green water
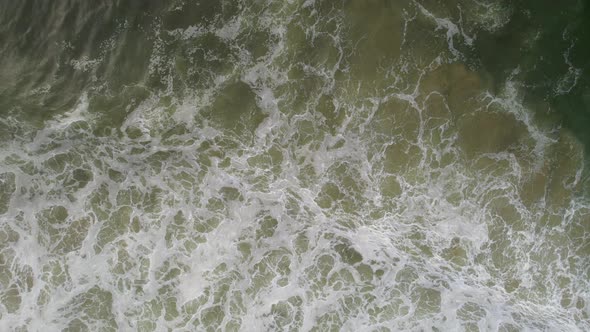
{"points": [[359, 165]]}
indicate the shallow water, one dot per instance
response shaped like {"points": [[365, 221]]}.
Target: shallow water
{"points": [[300, 165]]}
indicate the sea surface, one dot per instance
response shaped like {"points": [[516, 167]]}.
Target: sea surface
{"points": [[295, 165]]}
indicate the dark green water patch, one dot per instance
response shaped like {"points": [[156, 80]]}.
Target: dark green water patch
{"points": [[549, 43]]}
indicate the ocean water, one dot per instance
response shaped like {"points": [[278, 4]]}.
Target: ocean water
{"points": [[317, 165]]}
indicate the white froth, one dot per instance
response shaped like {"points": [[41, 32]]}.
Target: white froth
{"points": [[288, 223]]}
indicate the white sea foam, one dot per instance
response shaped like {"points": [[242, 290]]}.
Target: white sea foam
{"points": [[299, 221]]}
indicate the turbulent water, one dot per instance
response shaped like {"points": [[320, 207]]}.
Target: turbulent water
{"points": [[261, 165]]}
